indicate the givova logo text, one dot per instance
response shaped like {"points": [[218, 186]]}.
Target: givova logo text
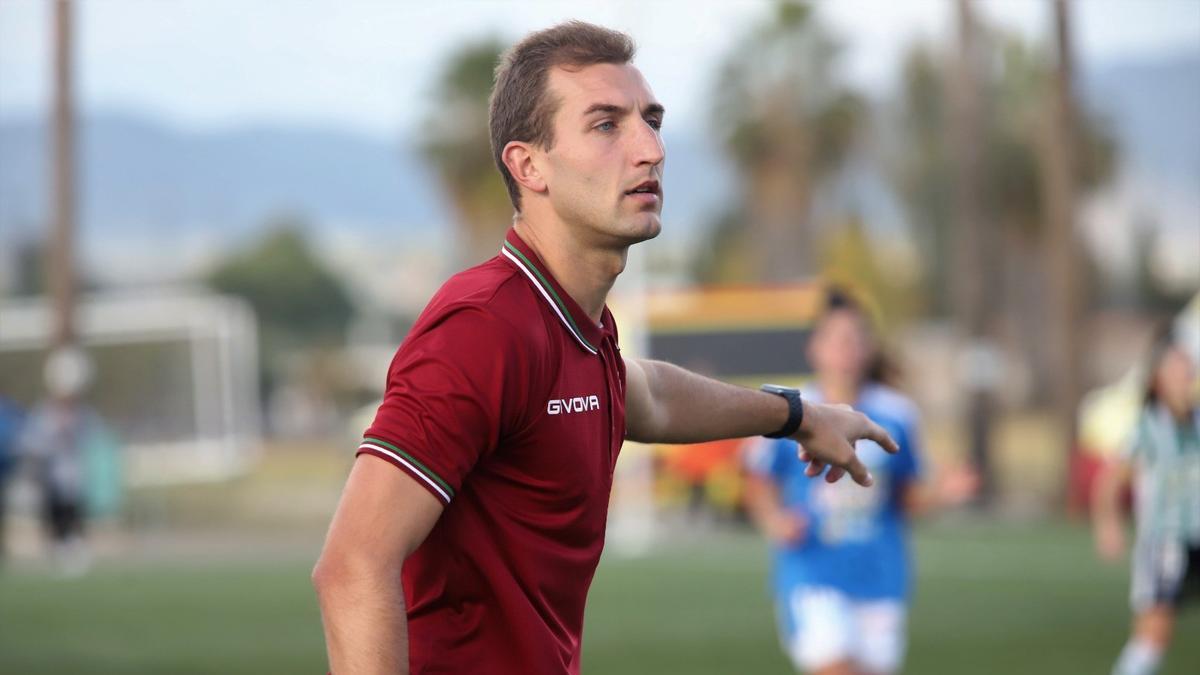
{"points": [[577, 404]]}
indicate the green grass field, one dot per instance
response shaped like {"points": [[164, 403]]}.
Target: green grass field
{"points": [[991, 599]]}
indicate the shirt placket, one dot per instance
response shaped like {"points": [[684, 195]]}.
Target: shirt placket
{"points": [[613, 386]]}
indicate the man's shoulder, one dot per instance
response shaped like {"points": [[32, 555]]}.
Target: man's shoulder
{"points": [[491, 296], [480, 285]]}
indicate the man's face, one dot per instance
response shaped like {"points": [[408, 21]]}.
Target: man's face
{"points": [[604, 171]]}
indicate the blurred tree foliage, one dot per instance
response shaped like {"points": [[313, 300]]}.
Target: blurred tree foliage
{"points": [[28, 277], [1016, 87], [298, 302], [1148, 288], [1017, 143], [849, 259], [787, 123], [458, 144], [29, 263]]}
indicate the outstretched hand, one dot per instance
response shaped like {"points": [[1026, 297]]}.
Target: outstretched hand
{"points": [[827, 437]]}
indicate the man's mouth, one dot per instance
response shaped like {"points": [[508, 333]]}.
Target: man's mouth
{"points": [[650, 187]]}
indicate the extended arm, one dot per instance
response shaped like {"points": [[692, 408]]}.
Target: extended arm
{"points": [[384, 514], [1106, 508], [776, 522], [667, 404], [953, 487]]}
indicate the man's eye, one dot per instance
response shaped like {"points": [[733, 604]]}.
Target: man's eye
{"points": [[606, 126], [654, 123]]}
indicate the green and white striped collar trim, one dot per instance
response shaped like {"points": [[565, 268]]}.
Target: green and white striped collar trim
{"points": [[542, 283]]}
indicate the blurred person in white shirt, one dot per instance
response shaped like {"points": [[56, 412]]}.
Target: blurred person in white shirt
{"points": [[1162, 457]]}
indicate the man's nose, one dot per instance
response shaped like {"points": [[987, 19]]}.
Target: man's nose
{"points": [[649, 147]]}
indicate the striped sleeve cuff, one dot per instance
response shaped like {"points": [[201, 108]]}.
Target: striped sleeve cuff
{"points": [[409, 464]]}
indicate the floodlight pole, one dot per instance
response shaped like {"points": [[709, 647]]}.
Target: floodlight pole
{"points": [[60, 267]]}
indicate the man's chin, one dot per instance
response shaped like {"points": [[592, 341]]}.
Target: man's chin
{"points": [[630, 230], [645, 227]]}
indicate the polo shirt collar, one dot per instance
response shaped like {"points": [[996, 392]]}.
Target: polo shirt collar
{"points": [[576, 321]]}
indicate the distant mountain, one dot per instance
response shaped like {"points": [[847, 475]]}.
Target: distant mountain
{"points": [[144, 180], [1154, 108], [147, 186]]}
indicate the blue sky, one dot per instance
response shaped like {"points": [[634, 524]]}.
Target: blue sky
{"points": [[367, 65]]}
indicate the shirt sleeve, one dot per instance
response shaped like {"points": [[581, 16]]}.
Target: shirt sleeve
{"points": [[452, 394]]}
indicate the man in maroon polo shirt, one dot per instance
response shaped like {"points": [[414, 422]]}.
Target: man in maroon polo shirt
{"points": [[509, 400]]}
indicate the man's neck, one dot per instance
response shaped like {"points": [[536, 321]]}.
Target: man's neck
{"points": [[586, 272]]}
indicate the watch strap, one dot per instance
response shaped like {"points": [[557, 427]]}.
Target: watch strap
{"points": [[795, 409]]}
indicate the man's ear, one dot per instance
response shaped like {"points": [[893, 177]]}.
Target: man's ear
{"points": [[519, 158]]}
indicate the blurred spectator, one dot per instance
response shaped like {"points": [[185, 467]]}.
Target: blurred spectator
{"points": [[11, 418], [54, 441], [1164, 456], [706, 469], [841, 569]]}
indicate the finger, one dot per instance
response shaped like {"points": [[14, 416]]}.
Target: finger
{"points": [[835, 474], [805, 457], [815, 466], [876, 433], [858, 471]]}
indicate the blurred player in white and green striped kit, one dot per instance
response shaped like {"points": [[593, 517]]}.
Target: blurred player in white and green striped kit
{"points": [[1163, 456]]}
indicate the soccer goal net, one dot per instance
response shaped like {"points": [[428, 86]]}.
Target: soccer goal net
{"points": [[175, 377]]}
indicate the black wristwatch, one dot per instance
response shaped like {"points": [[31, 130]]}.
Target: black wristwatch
{"points": [[795, 409]]}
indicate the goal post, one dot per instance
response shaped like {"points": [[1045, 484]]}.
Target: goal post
{"points": [[176, 377]]}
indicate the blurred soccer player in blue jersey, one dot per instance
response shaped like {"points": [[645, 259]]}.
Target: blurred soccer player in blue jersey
{"points": [[841, 564]]}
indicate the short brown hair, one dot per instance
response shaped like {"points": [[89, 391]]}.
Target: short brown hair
{"points": [[520, 109]]}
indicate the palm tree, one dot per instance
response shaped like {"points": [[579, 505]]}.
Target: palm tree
{"points": [[457, 142], [989, 201], [1012, 191], [1058, 158], [787, 123]]}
